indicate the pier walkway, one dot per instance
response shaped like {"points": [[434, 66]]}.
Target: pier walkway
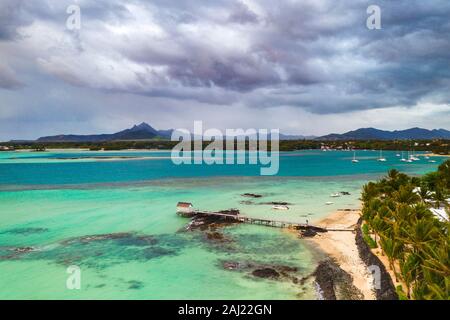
{"points": [[266, 222]]}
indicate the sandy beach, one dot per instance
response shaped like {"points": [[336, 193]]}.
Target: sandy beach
{"points": [[437, 155], [341, 246]]}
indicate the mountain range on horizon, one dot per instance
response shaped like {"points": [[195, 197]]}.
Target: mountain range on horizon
{"points": [[377, 134], [144, 131]]}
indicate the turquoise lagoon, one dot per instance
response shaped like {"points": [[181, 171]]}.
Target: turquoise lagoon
{"points": [[50, 201]]}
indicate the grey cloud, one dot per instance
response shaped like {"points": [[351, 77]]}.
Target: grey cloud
{"points": [[242, 14], [314, 55], [8, 78], [10, 19]]}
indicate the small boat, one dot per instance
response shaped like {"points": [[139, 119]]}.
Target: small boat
{"points": [[381, 159], [328, 203], [280, 207], [432, 161], [354, 157], [335, 195], [413, 157], [397, 155], [409, 160], [403, 158]]}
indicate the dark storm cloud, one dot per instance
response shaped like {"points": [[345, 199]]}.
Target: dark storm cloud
{"points": [[323, 52], [314, 55]]}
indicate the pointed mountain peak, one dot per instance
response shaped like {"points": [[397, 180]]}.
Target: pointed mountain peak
{"points": [[143, 127]]}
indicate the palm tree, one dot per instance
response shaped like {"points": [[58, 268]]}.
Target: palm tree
{"points": [[406, 194], [369, 192], [409, 267], [393, 250], [420, 211], [440, 195], [393, 174], [424, 192], [409, 233], [421, 232], [444, 172]]}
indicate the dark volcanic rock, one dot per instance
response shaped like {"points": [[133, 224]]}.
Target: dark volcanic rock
{"points": [[275, 272], [211, 227], [325, 279], [15, 252], [307, 233], [23, 249], [387, 289], [335, 283], [251, 195], [216, 236], [267, 273], [286, 268], [204, 222]]}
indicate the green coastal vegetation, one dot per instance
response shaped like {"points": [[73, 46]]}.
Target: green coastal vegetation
{"points": [[397, 218], [434, 146]]}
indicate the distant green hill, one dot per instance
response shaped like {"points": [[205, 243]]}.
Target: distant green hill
{"points": [[376, 134], [142, 131]]}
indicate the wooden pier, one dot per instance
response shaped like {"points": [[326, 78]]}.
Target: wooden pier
{"points": [[186, 209], [258, 221]]}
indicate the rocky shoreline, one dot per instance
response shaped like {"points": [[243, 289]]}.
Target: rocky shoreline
{"points": [[334, 283], [387, 289], [265, 271], [340, 247], [343, 275]]}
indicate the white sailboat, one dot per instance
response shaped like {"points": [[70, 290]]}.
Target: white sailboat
{"points": [[403, 158], [413, 156], [381, 159], [409, 158], [354, 157]]}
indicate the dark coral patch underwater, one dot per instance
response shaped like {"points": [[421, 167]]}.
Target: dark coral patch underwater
{"points": [[24, 231], [101, 251]]}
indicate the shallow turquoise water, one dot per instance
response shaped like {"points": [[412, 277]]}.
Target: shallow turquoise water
{"points": [[50, 201]]}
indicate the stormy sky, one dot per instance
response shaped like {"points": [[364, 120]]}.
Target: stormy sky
{"points": [[305, 67]]}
